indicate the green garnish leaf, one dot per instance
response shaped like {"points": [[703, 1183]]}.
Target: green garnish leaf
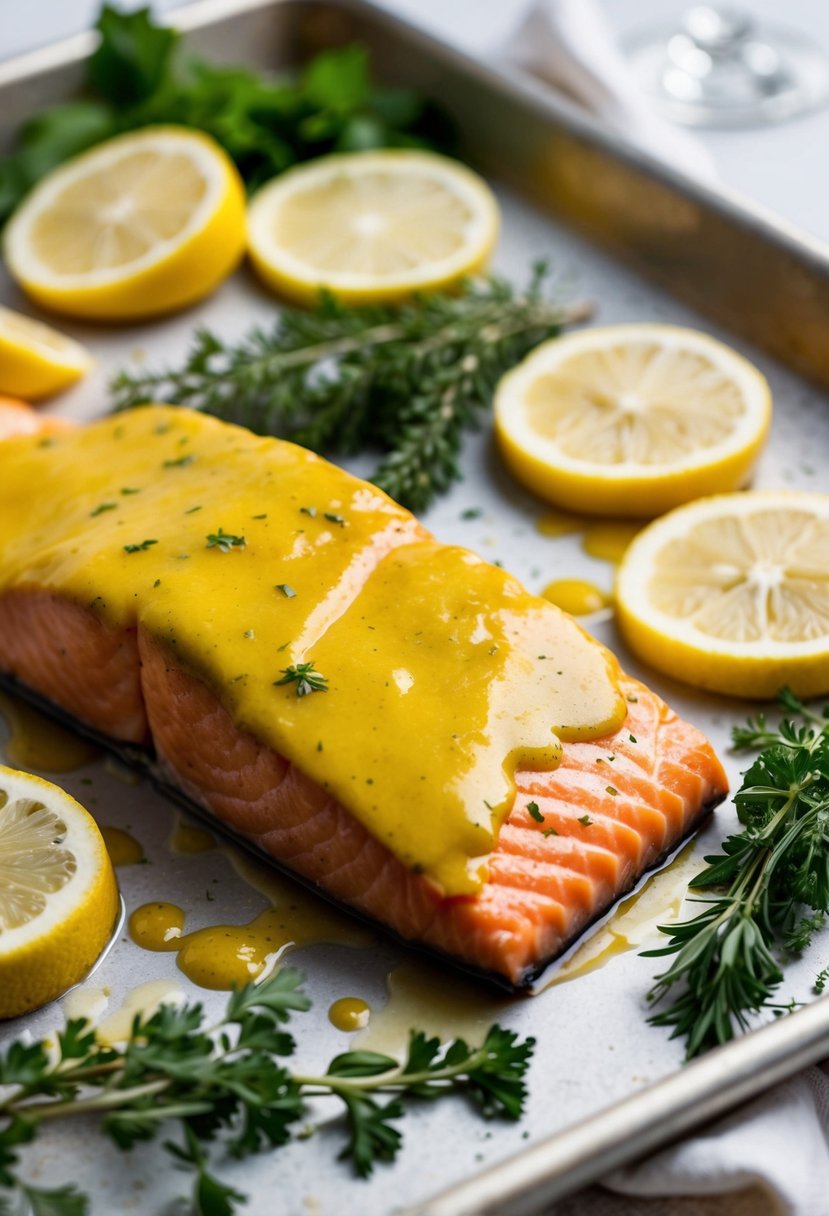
{"points": [[534, 812], [765, 894], [610, 789], [585, 821], [101, 508], [192, 1083], [305, 677], [224, 541], [180, 462], [140, 548], [407, 379]]}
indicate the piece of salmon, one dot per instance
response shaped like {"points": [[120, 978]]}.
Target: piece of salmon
{"points": [[604, 821]]}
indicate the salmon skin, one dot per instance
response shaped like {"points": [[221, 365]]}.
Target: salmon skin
{"points": [[576, 838]]}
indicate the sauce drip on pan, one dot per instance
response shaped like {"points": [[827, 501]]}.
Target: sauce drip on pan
{"points": [[123, 848], [36, 742], [349, 1013]]}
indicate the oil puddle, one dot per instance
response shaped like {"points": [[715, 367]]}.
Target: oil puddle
{"points": [[634, 922], [36, 742], [606, 539], [91, 1003], [433, 1000], [123, 848], [190, 839]]}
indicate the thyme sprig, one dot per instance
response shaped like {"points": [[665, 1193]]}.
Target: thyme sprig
{"points": [[770, 885], [306, 678], [405, 380], [228, 1082]]}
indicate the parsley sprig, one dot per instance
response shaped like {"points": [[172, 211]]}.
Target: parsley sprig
{"points": [[407, 381], [228, 1082], [770, 885]]}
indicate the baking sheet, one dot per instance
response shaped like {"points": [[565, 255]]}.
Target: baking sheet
{"points": [[594, 1046]]}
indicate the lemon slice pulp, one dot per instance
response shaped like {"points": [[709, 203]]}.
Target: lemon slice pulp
{"points": [[36, 360], [632, 419], [731, 593], [139, 225], [371, 226], [58, 896]]}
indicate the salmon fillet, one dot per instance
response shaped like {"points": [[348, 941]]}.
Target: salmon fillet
{"points": [[603, 822]]}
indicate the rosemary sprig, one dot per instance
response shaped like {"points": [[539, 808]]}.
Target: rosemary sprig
{"points": [[228, 1082], [405, 380], [770, 885]]}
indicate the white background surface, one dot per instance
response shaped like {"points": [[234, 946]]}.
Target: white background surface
{"points": [[784, 167]]}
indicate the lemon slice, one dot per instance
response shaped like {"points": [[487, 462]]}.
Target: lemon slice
{"points": [[58, 896], [731, 593], [36, 360], [371, 226], [632, 419], [139, 225]]}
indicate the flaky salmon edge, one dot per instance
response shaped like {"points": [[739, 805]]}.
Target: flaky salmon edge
{"points": [[615, 809]]}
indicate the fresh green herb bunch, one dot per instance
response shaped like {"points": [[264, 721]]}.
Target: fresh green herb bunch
{"points": [[138, 77], [228, 1081], [408, 380], [770, 885]]}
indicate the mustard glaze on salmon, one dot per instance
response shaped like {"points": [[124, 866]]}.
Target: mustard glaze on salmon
{"points": [[164, 576]]}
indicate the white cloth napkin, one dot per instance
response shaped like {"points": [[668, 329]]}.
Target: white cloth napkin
{"points": [[771, 1157], [567, 44]]}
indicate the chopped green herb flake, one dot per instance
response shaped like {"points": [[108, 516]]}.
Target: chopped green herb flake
{"points": [[224, 541], [192, 510], [180, 462], [286, 589], [472, 513], [549, 832], [145, 544], [312, 511], [609, 789], [259, 516], [632, 697], [632, 738], [585, 821], [307, 680], [129, 490], [157, 583], [249, 633], [104, 506], [534, 812], [333, 518]]}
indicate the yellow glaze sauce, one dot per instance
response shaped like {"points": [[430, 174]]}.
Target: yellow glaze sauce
{"points": [[609, 539], [223, 956], [249, 556], [559, 523], [575, 596], [349, 1013], [190, 838], [432, 999], [36, 742], [123, 848]]}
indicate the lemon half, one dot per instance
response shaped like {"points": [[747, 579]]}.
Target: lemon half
{"points": [[58, 895], [371, 226], [35, 360], [632, 419], [139, 225], [731, 594]]}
